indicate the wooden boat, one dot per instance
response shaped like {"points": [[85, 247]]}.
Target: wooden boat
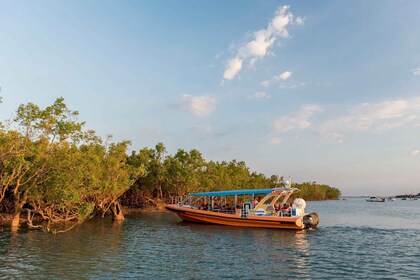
{"points": [[375, 199], [272, 211]]}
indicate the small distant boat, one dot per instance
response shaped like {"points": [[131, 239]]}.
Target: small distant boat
{"points": [[391, 198], [375, 199], [412, 197], [222, 208]]}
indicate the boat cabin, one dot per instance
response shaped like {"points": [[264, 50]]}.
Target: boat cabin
{"points": [[244, 203]]}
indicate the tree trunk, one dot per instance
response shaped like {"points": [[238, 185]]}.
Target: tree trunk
{"points": [[117, 213], [160, 190], [17, 211], [16, 221]]}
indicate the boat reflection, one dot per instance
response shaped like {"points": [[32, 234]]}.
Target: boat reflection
{"points": [[287, 248]]}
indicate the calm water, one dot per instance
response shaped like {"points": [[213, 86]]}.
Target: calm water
{"points": [[355, 239]]}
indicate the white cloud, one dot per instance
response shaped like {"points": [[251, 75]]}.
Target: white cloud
{"points": [[202, 129], [265, 83], [414, 152], [295, 85], [233, 67], [387, 126], [262, 40], [416, 71], [298, 120], [274, 140], [386, 109], [380, 117], [280, 21], [259, 96], [198, 105], [334, 136], [300, 21], [283, 76], [259, 46]]}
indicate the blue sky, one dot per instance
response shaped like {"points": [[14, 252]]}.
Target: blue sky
{"points": [[325, 91]]}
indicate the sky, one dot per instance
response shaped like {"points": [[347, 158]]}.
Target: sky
{"points": [[325, 91]]}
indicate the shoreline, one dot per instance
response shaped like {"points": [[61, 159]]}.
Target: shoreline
{"points": [[6, 218]]}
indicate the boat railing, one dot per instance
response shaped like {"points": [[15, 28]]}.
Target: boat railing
{"points": [[244, 213], [176, 199], [226, 211], [245, 210]]}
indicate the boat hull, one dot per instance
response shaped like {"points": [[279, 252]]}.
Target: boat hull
{"points": [[375, 199], [209, 217]]}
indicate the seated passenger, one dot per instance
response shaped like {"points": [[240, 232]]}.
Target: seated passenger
{"points": [[204, 207], [277, 207], [285, 209], [256, 201]]}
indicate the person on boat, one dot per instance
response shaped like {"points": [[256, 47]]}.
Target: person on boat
{"points": [[277, 207], [204, 207], [256, 201], [216, 207], [285, 209]]}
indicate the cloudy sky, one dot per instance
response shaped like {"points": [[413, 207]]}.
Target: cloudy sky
{"points": [[325, 91]]}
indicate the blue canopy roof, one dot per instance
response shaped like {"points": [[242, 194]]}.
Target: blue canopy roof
{"points": [[234, 192]]}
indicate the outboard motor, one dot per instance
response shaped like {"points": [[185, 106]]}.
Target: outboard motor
{"points": [[311, 220]]}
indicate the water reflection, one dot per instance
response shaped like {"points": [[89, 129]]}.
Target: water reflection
{"points": [[258, 253], [90, 247], [158, 245]]}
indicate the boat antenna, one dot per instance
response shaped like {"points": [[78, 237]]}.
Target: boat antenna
{"points": [[289, 182]]}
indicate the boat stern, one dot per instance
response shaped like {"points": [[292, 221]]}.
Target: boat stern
{"points": [[311, 221]]}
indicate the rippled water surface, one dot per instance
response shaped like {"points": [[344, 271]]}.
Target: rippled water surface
{"points": [[355, 239]]}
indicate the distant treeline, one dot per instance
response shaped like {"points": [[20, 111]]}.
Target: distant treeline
{"points": [[407, 195], [53, 170], [170, 176]]}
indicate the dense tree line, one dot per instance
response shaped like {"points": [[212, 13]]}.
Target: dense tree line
{"points": [[53, 170], [172, 176]]}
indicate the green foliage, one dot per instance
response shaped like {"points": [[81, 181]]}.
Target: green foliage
{"points": [[85, 210], [54, 169], [58, 171], [168, 176], [315, 191]]}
